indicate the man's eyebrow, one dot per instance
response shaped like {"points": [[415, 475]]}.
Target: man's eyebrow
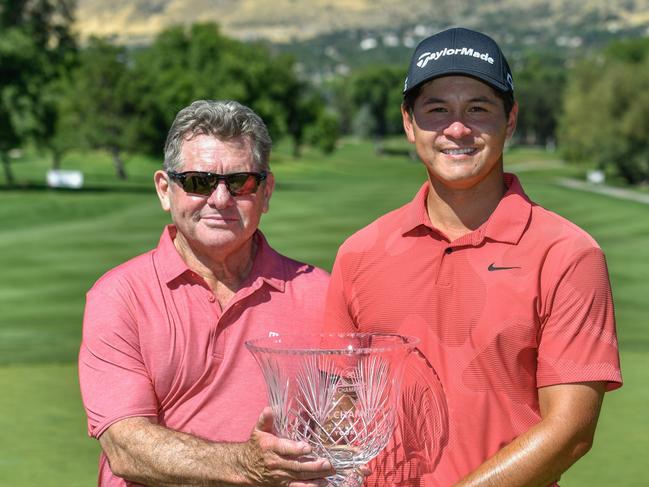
{"points": [[477, 99], [483, 99], [432, 99]]}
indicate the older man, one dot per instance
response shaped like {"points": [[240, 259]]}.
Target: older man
{"points": [[511, 301], [169, 389]]}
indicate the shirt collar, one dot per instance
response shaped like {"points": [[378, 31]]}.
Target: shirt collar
{"points": [[512, 215], [268, 265], [506, 224], [416, 213], [172, 264]]}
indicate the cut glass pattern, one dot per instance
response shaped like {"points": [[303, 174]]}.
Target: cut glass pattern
{"points": [[336, 392]]}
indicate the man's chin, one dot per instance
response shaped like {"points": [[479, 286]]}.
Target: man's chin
{"points": [[217, 237]]}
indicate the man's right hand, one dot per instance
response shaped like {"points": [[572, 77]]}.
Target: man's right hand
{"points": [[272, 461], [149, 454]]}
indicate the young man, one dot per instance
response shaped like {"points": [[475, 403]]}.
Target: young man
{"points": [[511, 302], [169, 389]]}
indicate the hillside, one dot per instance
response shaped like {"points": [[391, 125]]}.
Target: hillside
{"points": [[330, 37], [285, 20]]}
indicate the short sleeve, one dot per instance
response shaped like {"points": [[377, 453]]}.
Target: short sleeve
{"points": [[114, 381], [578, 341], [338, 315]]}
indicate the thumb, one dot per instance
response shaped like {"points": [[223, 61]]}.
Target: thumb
{"points": [[265, 421]]}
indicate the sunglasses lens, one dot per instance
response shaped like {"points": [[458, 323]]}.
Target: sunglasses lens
{"points": [[241, 184], [198, 184]]}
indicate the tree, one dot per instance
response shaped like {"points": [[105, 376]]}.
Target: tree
{"points": [[17, 100], [324, 132], [304, 109], [606, 111], [100, 109], [185, 64], [377, 89], [338, 98], [540, 84], [35, 46]]}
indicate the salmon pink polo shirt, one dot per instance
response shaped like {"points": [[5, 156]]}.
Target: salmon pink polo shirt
{"points": [[156, 342], [520, 303]]}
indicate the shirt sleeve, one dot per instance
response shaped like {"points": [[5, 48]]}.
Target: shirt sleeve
{"points": [[578, 341], [113, 377], [338, 313]]}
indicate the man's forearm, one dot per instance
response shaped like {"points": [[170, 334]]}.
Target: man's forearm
{"points": [[154, 455], [533, 459], [149, 454], [540, 455]]}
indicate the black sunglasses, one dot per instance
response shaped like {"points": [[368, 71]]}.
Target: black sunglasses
{"points": [[203, 183]]}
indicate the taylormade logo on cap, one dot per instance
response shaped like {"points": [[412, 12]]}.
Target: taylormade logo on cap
{"points": [[426, 57], [459, 51]]}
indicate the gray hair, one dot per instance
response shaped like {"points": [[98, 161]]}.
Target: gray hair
{"points": [[225, 120]]}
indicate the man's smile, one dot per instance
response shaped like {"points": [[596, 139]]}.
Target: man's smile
{"points": [[467, 151]]}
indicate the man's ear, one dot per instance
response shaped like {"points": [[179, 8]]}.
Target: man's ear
{"points": [[269, 187], [511, 120], [163, 188], [408, 123]]}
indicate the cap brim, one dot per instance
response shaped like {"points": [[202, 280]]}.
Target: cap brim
{"points": [[463, 72]]}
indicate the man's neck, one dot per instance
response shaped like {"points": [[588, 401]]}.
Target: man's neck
{"points": [[458, 212], [224, 270]]}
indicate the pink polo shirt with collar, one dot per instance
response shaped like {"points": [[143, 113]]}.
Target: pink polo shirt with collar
{"points": [[156, 343], [520, 303]]}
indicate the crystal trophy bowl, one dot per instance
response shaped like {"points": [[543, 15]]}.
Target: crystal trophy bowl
{"points": [[336, 392]]}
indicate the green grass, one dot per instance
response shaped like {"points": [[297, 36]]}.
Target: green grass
{"points": [[43, 440], [55, 244]]}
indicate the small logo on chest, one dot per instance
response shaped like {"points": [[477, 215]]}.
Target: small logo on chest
{"points": [[492, 268]]}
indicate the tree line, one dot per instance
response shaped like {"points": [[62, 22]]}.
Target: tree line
{"points": [[61, 96]]}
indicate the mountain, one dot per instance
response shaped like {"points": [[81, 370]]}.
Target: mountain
{"points": [[334, 36], [287, 20]]}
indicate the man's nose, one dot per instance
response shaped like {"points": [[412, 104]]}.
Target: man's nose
{"points": [[220, 197], [457, 129]]}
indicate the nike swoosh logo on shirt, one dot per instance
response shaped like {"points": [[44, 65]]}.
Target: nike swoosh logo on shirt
{"points": [[492, 268]]}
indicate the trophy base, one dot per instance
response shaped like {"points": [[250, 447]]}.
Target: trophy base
{"points": [[346, 478]]}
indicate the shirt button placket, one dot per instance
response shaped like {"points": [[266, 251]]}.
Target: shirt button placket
{"points": [[217, 338], [442, 275]]}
